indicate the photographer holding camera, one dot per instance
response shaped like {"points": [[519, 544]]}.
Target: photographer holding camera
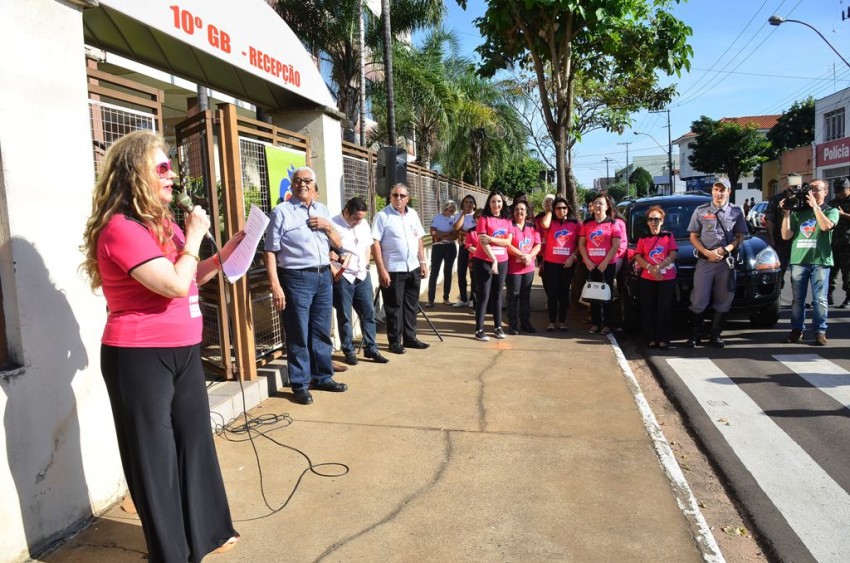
{"points": [[808, 224]]}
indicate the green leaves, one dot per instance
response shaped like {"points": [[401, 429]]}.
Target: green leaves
{"points": [[726, 147]]}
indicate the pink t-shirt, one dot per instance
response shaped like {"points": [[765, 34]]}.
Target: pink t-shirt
{"points": [[561, 240], [523, 239], [598, 238], [138, 317], [495, 227], [656, 249], [624, 243]]}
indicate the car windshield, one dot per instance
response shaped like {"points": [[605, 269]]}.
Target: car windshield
{"points": [[678, 215]]}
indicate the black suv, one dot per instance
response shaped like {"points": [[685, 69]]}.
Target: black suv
{"points": [[758, 284]]}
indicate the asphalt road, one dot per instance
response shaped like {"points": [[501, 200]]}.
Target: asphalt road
{"points": [[775, 418]]}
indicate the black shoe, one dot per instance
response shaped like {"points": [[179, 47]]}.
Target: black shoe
{"points": [[351, 359], [717, 342], [513, 331], [417, 344], [691, 343], [377, 357], [330, 385], [397, 348], [302, 396], [845, 303], [529, 329]]}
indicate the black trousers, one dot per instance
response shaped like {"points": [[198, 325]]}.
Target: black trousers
{"points": [[462, 267], [656, 308], [488, 289], [442, 255], [401, 304], [601, 314], [556, 284], [519, 299], [841, 258], [162, 420]]}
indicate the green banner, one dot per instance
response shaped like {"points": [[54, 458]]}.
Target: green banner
{"points": [[281, 163]]}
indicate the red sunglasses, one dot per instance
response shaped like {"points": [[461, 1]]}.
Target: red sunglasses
{"points": [[163, 168]]}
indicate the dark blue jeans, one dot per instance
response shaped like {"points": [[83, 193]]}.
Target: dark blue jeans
{"points": [[359, 296], [307, 322]]}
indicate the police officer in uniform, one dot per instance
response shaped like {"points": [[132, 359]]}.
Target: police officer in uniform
{"points": [[841, 241], [717, 229]]}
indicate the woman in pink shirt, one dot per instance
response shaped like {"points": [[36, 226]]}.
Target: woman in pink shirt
{"points": [[656, 255], [560, 254], [598, 243], [525, 244], [490, 262], [149, 271]]}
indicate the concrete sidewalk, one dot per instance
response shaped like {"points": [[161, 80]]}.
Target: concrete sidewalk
{"points": [[530, 448]]}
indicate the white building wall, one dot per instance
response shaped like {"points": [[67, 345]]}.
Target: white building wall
{"points": [[62, 459], [822, 106]]}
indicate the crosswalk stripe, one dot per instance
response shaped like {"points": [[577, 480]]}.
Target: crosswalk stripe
{"points": [[813, 504], [828, 377]]}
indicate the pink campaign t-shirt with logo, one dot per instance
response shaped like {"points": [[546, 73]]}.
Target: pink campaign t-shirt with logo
{"points": [[598, 237], [138, 317], [495, 227], [561, 241], [656, 249], [524, 239]]}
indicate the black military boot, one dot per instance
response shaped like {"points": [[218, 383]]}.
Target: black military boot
{"points": [[696, 330], [717, 324]]}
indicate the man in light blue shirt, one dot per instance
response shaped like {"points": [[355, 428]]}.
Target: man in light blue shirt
{"points": [[297, 246], [400, 257]]}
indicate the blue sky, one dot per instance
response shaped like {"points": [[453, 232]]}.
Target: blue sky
{"points": [[741, 66]]}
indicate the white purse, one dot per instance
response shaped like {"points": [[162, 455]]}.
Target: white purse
{"points": [[596, 292]]}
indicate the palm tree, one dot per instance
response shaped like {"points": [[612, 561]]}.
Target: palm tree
{"points": [[328, 29]]}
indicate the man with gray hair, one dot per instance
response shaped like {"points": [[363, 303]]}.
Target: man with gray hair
{"points": [[297, 247]]}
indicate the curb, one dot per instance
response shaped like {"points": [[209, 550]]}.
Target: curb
{"points": [[681, 490]]}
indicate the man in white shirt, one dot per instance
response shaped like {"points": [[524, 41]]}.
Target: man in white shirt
{"points": [[354, 287], [400, 257]]}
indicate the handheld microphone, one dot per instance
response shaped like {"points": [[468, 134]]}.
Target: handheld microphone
{"points": [[182, 199]]}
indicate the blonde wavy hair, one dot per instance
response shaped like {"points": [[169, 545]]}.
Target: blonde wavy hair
{"points": [[128, 185]]}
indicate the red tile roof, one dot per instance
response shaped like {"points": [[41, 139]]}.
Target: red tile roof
{"points": [[761, 122]]}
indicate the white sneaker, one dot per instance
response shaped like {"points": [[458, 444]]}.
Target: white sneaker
{"points": [[471, 304], [459, 304]]}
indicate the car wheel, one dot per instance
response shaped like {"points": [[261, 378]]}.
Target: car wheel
{"points": [[766, 317]]}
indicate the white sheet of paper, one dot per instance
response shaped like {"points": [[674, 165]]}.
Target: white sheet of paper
{"points": [[240, 260]]}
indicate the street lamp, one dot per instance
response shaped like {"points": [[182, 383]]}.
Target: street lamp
{"points": [[779, 20], [668, 151]]}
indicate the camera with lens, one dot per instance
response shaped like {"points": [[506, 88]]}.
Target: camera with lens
{"points": [[796, 194]]}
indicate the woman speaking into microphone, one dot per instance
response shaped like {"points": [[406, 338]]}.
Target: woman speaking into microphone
{"points": [[149, 270]]}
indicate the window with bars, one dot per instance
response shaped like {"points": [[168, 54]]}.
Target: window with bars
{"points": [[833, 125]]}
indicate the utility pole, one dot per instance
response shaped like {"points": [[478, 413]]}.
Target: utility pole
{"points": [[669, 147], [628, 179], [388, 71], [606, 160]]}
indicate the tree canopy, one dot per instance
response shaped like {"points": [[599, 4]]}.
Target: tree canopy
{"points": [[522, 175], [726, 148], [570, 45], [795, 128], [643, 181]]}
